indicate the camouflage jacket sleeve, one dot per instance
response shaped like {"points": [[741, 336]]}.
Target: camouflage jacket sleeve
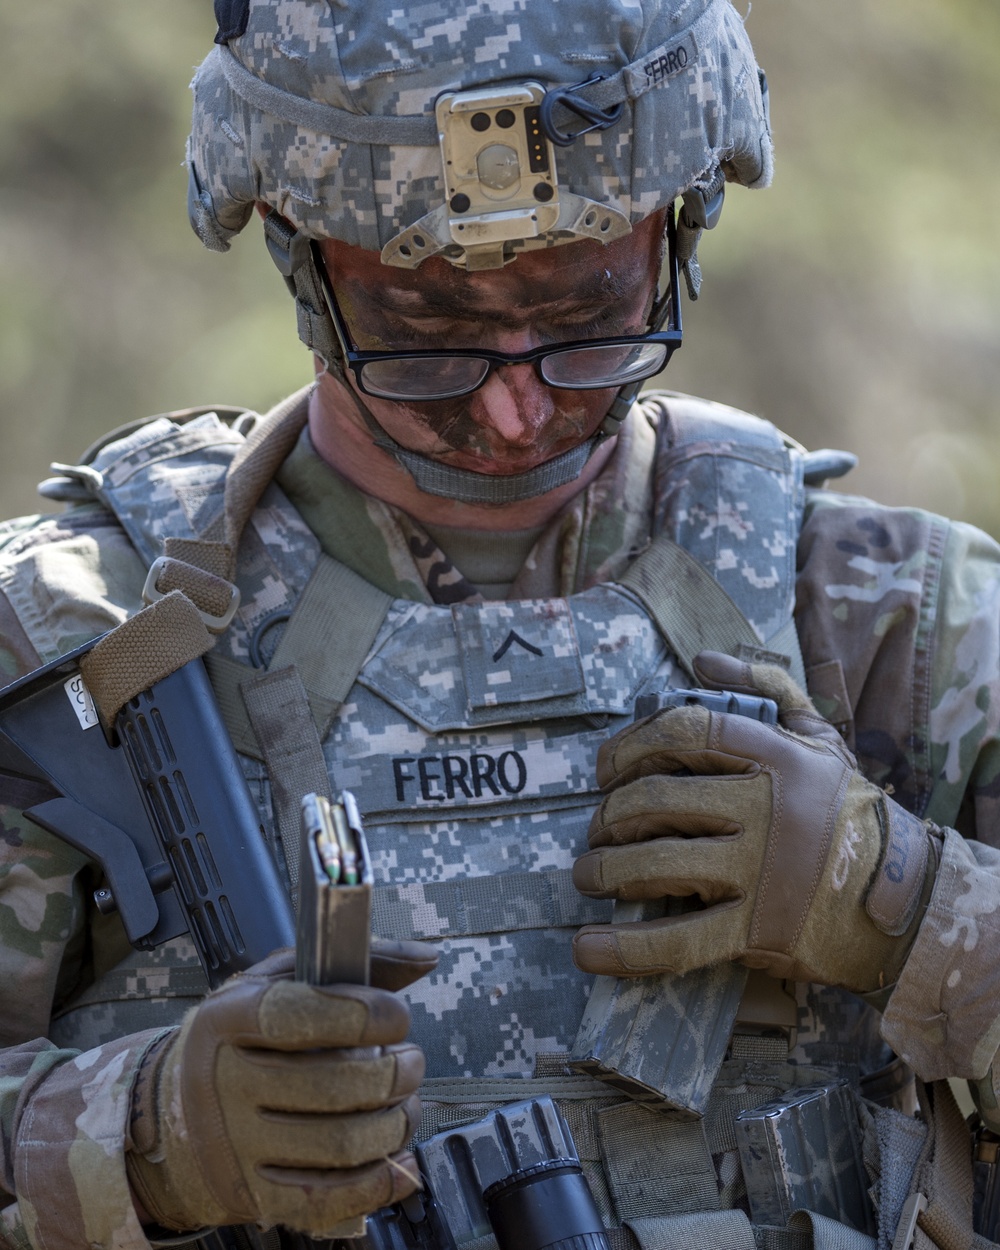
{"points": [[899, 616], [63, 1113]]}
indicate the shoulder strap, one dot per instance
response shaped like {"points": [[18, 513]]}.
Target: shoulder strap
{"points": [[729, 496], [207, 480], [694, 613], [327, 637]]}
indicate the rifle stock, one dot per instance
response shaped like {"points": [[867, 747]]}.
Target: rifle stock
{"points": [[159, 802]]}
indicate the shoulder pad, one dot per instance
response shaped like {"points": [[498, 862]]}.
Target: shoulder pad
{"points": [[74, 484], [693, 418]]}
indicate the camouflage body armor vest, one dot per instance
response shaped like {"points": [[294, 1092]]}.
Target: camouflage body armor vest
{"points": [[469, 739]]}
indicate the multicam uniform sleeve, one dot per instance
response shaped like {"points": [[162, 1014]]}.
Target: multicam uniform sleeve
{"points": [[64, 1114], [944, 1016], [910, 606]]}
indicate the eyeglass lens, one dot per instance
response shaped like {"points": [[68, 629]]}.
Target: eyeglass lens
{"points": [[612, 364], [430, 377]]}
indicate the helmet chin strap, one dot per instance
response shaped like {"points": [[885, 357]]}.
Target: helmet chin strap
{"points": [[493, 489]]}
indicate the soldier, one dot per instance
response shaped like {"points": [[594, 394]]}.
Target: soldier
{"points": [[461, 556]]}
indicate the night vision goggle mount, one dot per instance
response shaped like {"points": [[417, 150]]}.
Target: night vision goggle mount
{"points": [[502, 190]]}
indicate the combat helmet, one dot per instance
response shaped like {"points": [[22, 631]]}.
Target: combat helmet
{"points": [[470, 130]]}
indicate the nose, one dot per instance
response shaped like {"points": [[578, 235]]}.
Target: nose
{"points": [[514, 403]]}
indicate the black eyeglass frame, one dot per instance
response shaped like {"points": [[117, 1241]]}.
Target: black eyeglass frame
{"points": [[665, 308]]}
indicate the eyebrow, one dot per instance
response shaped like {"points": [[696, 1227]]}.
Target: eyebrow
{"points": [[457, 303]]}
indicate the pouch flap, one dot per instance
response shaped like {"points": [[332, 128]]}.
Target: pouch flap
{"points": [[504, 663], [518, 652]]}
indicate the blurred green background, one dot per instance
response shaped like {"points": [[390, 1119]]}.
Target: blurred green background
{"points": [[856, 303]]}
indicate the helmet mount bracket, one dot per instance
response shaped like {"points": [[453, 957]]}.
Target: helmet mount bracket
{"points": [[501, 182]]}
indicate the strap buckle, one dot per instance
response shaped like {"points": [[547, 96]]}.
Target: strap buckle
{"points": [[600, 119], [217, 624], [907, 1227], [289, 248]]}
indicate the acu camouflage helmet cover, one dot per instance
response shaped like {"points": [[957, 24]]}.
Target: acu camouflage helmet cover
{"points": [[325, 110]]}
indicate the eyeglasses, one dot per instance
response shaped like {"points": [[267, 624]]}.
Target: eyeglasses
{"points": [[577, 365]]}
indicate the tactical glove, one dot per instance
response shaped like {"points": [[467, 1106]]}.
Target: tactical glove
{"points": [[801, 866], [277, 1102]]}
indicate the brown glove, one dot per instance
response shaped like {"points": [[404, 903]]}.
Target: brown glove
{"points": [[277, 1102], [804, 868]]}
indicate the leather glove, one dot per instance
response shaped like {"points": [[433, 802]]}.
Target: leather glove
{"points": [[801, 866], [277, 1102]]}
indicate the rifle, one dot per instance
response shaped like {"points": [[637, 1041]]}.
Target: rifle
{"points": [[160, 803]]}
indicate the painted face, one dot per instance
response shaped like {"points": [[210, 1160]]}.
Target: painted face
{"points": [[514, 421]]}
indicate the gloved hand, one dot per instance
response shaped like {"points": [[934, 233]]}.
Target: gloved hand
{"points": [[282, 1103], [804, 868]]}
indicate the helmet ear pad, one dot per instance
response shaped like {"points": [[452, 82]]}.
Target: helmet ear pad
{"points": [[204, 219], [751, 163]]}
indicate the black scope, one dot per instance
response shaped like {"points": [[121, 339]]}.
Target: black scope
{"points": [[548, 1206]]}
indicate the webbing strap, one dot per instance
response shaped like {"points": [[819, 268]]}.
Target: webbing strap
{"points": [[206, 557], [283, 725], [718, 1230], [117, 985], [783, 1239], [227, 676], [331, 631], [621, 1239], [656, 1163], [786, 641], [209, 591], [468, 906], [822, 1233], [945, 1176], [142, 651], [731, 1230], [691, 609]]}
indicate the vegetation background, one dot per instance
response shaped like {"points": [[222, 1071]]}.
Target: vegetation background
{"points": [[857, 303]]}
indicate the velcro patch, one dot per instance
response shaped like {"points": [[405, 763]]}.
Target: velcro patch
{"points": [[899, 882], [661, 63], [518, 652]]}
